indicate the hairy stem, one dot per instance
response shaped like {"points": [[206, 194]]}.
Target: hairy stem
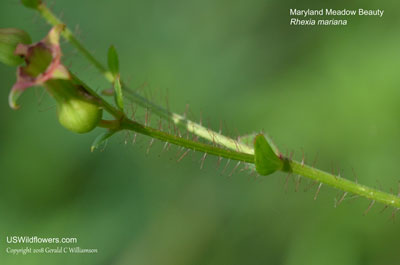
{"points": [[184, 142], [124, 123], [294, 167], [175, 118], [344, 184], [235, 149]]}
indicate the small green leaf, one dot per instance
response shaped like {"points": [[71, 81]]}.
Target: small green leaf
{"points": [[119, 100], [113, 61], [266, 159], [101, 139]]}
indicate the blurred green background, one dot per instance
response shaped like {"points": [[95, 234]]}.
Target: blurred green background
{"points": [[327, 90]]}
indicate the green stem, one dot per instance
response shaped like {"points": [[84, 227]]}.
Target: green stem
{"points": [[107, 106], [53, 20], [344, 184], [184, 142], [175, 118], [236, 150], [123, 123]]}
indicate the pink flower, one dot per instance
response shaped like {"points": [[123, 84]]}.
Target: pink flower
{"points": [[77, 110], [43, 62]]}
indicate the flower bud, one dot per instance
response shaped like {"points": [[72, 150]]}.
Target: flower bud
{"points": [[9, 39], [79, 115]]}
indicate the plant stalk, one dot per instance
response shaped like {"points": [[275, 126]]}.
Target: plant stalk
{"points": [[175, 118], [235, 149]]}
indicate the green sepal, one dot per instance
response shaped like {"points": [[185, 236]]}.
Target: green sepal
{"points": [[101, 139], [266, 158], [113, 61], [119, 100]]}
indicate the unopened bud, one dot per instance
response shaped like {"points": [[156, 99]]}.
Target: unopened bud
{"points": [[77, 110]]}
